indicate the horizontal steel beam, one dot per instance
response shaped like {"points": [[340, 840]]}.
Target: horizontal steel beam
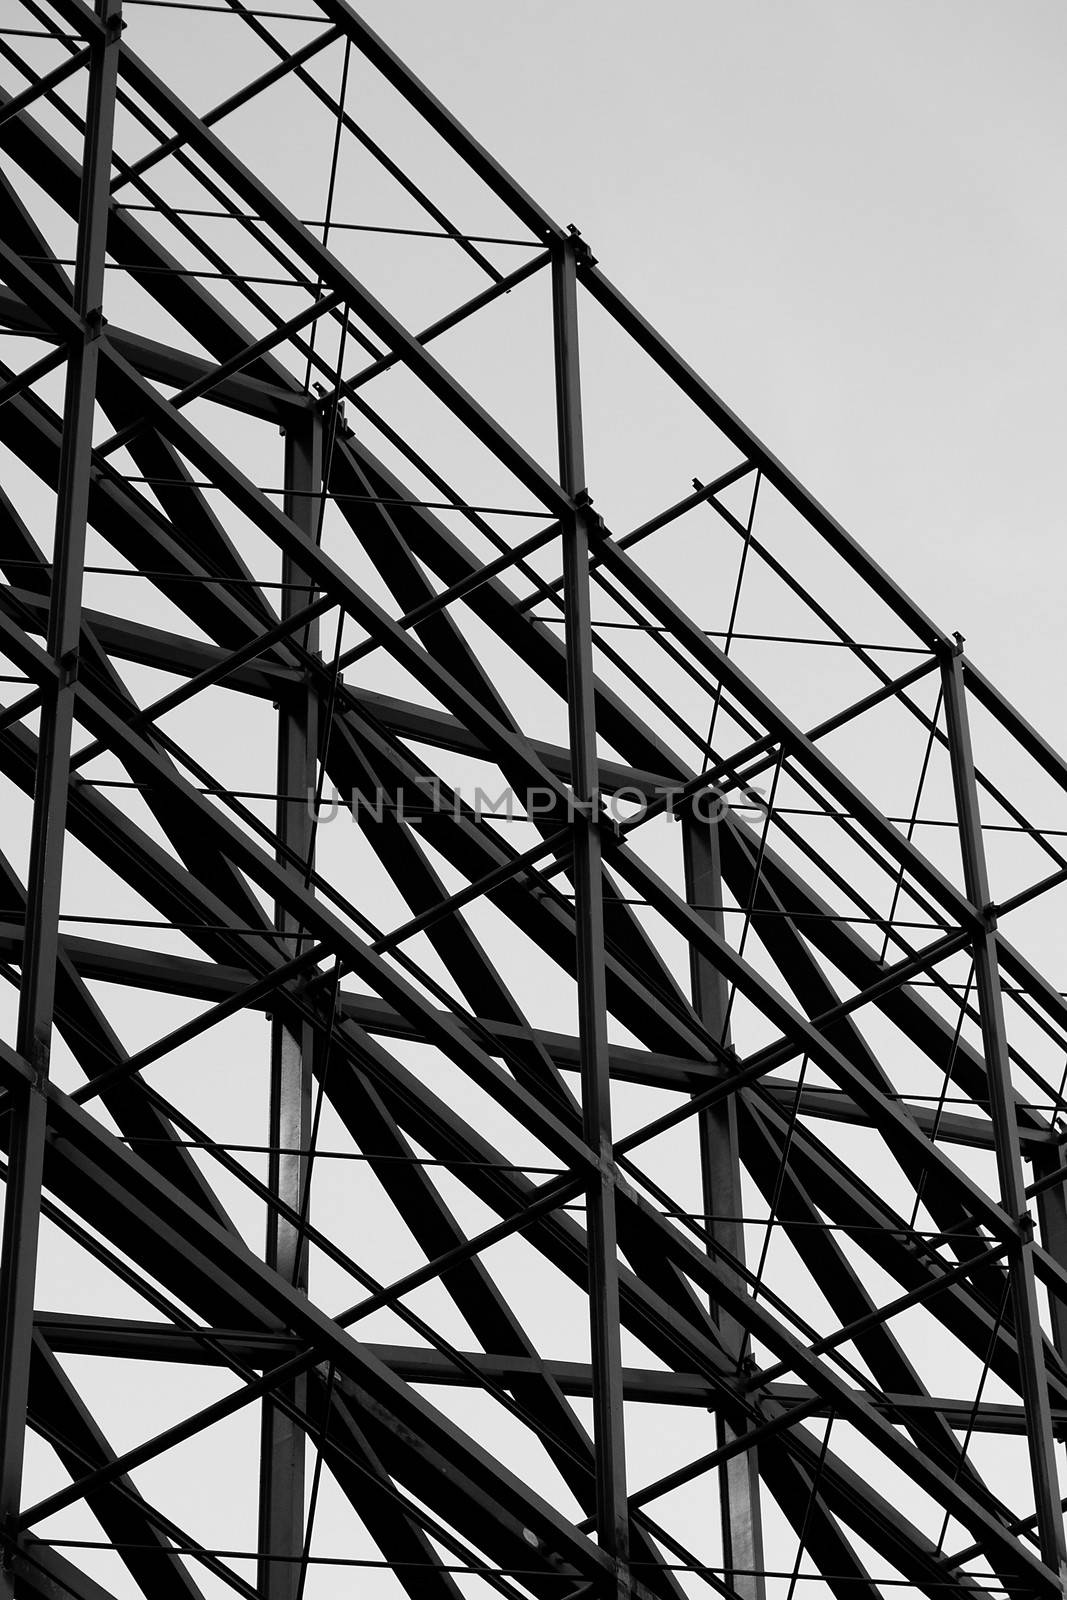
{"points": [[118, 1339], [130, 966], [166, 364]]}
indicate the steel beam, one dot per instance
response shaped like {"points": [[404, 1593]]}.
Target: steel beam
{"points": [[289, 1122], [609, 1433], [154, 1341], [720, 1172], [1032, 1381], [18, 1254]]}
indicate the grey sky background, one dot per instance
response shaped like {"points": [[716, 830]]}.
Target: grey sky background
{"points": [[849, 216]]}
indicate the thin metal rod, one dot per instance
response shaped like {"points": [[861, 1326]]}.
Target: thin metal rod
{"points": [[340, 227], [330, 186], [734, 606], [898, 886]]}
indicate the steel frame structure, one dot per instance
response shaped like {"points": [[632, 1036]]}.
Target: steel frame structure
{"points": [[797, 1160]]}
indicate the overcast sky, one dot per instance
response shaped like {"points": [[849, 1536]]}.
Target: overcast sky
{"points": [[849, 215]]}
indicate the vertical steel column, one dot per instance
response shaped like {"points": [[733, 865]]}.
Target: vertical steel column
{"points": [[606, 1350], [1032, 1380], [18, 1261], [720, 1173], [18, 1254], [1052, 1218], [282, 1440]]}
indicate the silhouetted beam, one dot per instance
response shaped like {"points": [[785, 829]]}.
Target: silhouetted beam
{"points": [[444, 732], [96, 959], [151, 1341], [124, 640], [165, 364]]}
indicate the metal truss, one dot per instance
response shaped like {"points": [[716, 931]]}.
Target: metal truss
{"points": [[527, 1065]]}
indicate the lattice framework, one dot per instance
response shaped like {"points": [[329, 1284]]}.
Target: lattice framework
{"points": [[593, 934]]}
